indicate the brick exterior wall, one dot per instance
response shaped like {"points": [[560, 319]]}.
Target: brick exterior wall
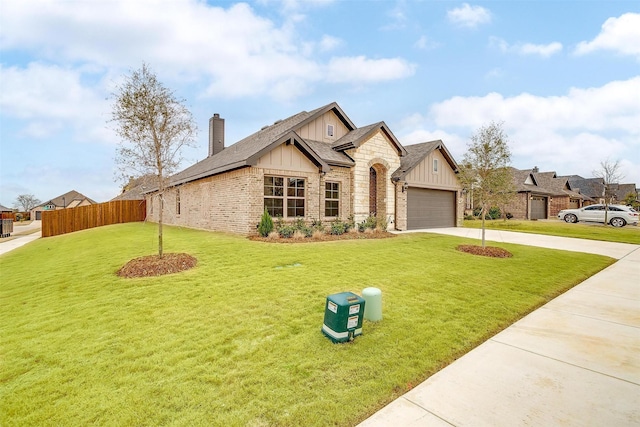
{"points": [[234, 201], [519, 208]]}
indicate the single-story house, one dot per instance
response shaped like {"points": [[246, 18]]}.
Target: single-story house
{"points": [[314, 165], [70, 199], [542, 195]]}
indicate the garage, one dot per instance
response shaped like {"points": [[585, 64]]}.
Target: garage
{"points": [[427, 208], [538, 207]]}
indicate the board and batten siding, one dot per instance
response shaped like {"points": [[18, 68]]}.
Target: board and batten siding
{"points": [[317, 129], [424, 176], [286, 157]]}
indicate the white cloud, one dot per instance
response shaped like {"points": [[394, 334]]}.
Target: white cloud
{"points": [[469, 16], [360, 69], [424, 43], [237, 52], [620, 35], [542, 50], [329, 43], [570, 134]]}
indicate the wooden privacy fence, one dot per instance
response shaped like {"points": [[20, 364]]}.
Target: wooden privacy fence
{"points": [[75, 219]]}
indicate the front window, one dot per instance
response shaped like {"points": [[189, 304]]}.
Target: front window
{"points": [[280, 192], [332, 199], [177, 201], [435, 165]]}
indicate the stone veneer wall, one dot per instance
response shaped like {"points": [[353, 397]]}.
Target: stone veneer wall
{"points": [[376, 150]]}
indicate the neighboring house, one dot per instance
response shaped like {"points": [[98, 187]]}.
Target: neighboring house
{"points": [[591, 188], [314, 165], [621, 191], [542, 195], [71, 199], [6, 212]]}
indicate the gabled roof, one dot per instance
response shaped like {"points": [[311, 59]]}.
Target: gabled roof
{"points": [[521, 179], [248, 151], [69, 199], [544, 183], [356, 137], [416, 153], [5, 209], [135, 188], [590, 187]]}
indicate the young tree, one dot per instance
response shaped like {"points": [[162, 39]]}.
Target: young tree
{"points": [[26, 202], [154, 126], [611, 176], [485, 169]]}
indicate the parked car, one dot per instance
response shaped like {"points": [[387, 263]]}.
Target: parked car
{"points": [[617, 215]]}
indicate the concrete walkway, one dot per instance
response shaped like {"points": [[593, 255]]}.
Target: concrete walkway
{"points": [[573, 362], [20, 237]]}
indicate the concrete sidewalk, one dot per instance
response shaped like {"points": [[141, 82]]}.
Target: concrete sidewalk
{"points": [[21, 239], [573, 362]]}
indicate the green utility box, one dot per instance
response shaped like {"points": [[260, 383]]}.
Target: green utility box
{"points": [[343, 315]]}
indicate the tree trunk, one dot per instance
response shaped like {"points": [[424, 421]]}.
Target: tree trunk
{"points": [[483, 213], [160, 225]]}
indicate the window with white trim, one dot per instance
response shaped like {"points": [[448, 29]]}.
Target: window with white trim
{"points": [[332, 199], [435, 165], [177, 201], [330, 131], [284, 197]]}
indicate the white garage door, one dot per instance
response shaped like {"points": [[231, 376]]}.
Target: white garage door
{"points": [[430, 208]]}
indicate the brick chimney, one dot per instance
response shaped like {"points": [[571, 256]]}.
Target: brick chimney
{"points": [[216, 135]]}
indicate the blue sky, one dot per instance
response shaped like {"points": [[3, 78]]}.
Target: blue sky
{"points": [[563, 76]]}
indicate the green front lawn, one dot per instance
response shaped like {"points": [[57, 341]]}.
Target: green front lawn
{"points": [[592, 231], [236, 341]]}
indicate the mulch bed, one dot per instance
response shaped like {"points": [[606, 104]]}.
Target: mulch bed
{"points": [[490, 251], [153, 265], [325, 237]]}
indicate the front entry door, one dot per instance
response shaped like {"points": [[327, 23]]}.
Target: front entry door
{"points": [[373, 191]]}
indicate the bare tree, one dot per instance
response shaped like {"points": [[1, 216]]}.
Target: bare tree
{"points": [[154, 126], [486, 170], [26, 202], [611, 176]]}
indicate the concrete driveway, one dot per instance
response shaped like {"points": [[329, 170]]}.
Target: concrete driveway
{"points": [[22, 234], [573, 362]]}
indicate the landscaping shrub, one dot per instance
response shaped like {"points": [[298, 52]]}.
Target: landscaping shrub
{"points": [[338, 227], [369, 223], [494, 213], [286, 231], [508, 215], [266, 224]]}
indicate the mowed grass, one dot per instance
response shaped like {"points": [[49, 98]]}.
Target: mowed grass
{"points": [[236, 341], [581, 230]]}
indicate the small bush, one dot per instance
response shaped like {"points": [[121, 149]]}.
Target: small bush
{"points": [[469, 217], [316, 225], [266, 224], [494, 213], [338, 227], [508, 215], [286, 231], [369, 223]]}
